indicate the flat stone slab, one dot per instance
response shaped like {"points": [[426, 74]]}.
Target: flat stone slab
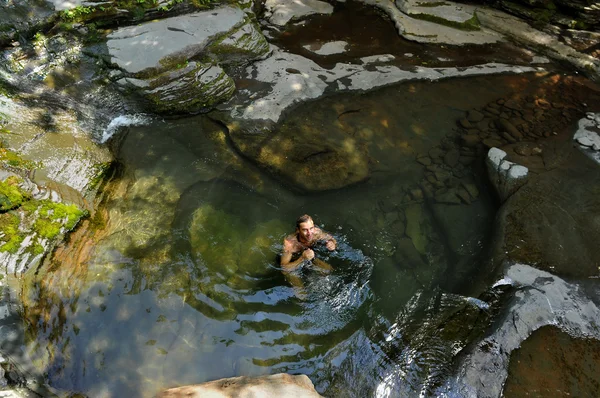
{"points": [[524, 34], [429, 32], [444, 10], [154, 46], [272, 386], [283, 11], [329, 48], [294, 78]]}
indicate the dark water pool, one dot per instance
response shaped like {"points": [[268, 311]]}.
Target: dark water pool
{"points": [[178, 282]]}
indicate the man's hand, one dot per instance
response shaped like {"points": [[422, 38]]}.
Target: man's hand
{"points": [[308, 254], [330, 245]]}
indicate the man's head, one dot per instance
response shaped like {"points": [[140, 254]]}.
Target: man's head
{"points": [[305, 227]]}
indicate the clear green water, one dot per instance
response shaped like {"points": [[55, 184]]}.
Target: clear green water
{"points": [[182, 286]]}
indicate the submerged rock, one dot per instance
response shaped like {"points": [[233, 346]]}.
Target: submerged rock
{"points": [[272, 386]]}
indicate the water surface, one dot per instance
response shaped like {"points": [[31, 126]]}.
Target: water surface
{"points": [[177, 282]]}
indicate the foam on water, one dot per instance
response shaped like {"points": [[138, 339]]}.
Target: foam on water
{"points": [[123, 121]]}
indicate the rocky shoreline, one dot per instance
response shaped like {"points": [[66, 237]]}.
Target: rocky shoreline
{"points": [[66, 74]]}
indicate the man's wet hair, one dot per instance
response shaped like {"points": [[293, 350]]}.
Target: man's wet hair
{"points": [[302, 219]]}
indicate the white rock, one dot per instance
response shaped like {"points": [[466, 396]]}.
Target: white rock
{"points": [[445, 10], [284, 11], [329, 48]]}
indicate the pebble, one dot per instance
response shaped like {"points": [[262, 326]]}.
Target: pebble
{"points": [[465, 123], [464, 196], [471, 189], [447, 197], [474, 116], [523, 150], [416, 193], [451, 157], [424, 160], [491, 142], [436, 153], [470, 140], [508, 137]]}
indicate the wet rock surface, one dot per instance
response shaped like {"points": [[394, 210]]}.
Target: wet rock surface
{"points": [[280, 12], [540, 299], [167, 74], [272, 386], [551, 362]]}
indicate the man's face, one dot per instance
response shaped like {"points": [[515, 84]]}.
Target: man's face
{"points": [[306, 230]]}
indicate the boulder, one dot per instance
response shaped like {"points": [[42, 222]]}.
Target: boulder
{"points": [[194, 86], [551, 360], [272, 386], [159, 59], [539, 299], [506, 177], [553, 220]]}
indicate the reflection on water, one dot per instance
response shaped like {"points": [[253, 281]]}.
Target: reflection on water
{"points": [[183, 285]]}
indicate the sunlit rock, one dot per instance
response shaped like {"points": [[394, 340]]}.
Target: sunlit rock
{"points": [[157, 58], [272, 386], [587, 135], [506, 177], [280, 12], [461, 16], [329, 48], [187, 89]]}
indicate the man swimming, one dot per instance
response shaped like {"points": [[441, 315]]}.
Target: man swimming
{"points": [[302, 241]]}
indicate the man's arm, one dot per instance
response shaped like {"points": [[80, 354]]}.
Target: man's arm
{"points": [[286, 257], [330, 242]]}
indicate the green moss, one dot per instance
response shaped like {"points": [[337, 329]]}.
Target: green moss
{"points": [[102, 170], [46, 228], [11, 237], [202, 4], [52, 214], [11, 196], [434, 4], [37, 249]]}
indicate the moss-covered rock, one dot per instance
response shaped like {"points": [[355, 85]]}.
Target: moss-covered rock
{"points": [[29, 226], [175, 63], [190, 88], [11, 196]]}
